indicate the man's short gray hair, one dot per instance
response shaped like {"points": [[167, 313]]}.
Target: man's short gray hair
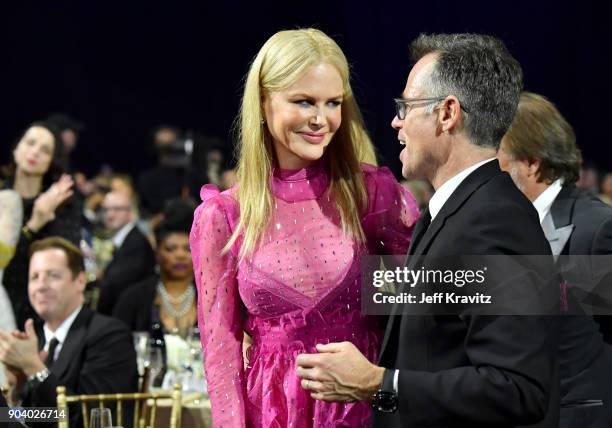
{"points": [[481, 73]]}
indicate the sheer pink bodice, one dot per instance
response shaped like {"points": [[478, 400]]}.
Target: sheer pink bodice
{"points": [[301, 287]]}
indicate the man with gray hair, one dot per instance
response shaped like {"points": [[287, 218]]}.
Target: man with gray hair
{"points": [[463, 369]]}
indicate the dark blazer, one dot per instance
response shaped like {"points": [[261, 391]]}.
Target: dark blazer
{"points": [[98, 356], [583, 226], [131, 262], [474, 370], [138, 317]]}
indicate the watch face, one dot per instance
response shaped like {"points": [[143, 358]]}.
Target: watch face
{"points": [[385, 401]]}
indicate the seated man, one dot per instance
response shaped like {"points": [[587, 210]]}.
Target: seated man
{"points": [[86, 352], [133, 258]]}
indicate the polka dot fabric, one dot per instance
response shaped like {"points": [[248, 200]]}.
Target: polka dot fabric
{"points": [[299, 288]]}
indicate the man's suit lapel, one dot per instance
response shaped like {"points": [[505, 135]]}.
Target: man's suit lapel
{"points": [[74, 340], [420, 245], [562, 211], [119, 253], [461, 194], [419, 230], [417, 234]]}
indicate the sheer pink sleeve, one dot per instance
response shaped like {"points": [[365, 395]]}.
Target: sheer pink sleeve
{"points": [[392, 213], [219, 310]]}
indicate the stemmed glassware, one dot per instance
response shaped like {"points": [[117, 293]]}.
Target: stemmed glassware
{"points": [[100, 418], [155, 363], [141, 345]]}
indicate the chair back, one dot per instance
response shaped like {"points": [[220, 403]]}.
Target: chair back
{"points": [[145, 406]]}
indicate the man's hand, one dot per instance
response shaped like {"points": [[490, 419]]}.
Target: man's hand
{"points": [[14, 376], [21, 351], [339, 372], [15, 379]]}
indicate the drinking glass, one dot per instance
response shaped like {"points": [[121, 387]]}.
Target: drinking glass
{"points": [[155, 362], [141, 345], [197, 382], [100, 418]]}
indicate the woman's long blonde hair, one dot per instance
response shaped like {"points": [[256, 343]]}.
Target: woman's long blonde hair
{"points": [[282, 60]]}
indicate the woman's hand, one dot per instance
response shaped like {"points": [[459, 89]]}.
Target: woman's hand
{"points": [[47, 202]]}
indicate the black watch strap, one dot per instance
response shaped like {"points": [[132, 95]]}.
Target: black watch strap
{"points": [[385, 399]]}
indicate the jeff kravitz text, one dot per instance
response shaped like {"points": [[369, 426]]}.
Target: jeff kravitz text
{"points": [[422, 276]]}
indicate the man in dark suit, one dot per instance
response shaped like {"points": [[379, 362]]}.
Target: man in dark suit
{"points": [[463, 370], [539, 151], [133, 259], [88, 353]]}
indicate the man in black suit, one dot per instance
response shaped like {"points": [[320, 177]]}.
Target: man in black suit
{"points": [[539, 151], [463, 370], [86, 352], [133, 258]]}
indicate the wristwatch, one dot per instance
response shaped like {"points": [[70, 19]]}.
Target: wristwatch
{"points": [[40, 376], [385, 399]]}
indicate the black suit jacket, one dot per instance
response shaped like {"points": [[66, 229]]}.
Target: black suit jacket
{"points": [[98, 356], [585, 360], [138, 317], [474, 370], [131, 262]]}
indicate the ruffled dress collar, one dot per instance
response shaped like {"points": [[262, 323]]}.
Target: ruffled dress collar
{"points": [[294, 185]]}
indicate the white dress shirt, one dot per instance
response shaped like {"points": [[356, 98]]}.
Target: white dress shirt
{"points": [[543, 202], [60, 333], [436, 203]]}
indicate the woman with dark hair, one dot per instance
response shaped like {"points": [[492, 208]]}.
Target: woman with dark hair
{"points": [[170, 295], [48, 206]]}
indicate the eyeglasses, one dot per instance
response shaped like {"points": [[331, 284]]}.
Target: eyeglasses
{"points": [[404, 105], [115, 209]]}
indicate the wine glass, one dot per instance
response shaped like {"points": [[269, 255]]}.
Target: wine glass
{"points": [[155, 362], [100, 418], [197, 383], [141, 345], [195, 345]]}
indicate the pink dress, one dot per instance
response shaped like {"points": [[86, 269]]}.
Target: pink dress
{"points": [[301, 287]]}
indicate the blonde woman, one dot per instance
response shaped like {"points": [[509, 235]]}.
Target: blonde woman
{"points": [[286, 241]]}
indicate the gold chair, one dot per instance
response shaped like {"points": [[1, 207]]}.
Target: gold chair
{"points": [[5, 392], [143, 410]]}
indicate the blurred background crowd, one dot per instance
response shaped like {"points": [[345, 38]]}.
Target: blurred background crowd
{"points": [[132, 228]]}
